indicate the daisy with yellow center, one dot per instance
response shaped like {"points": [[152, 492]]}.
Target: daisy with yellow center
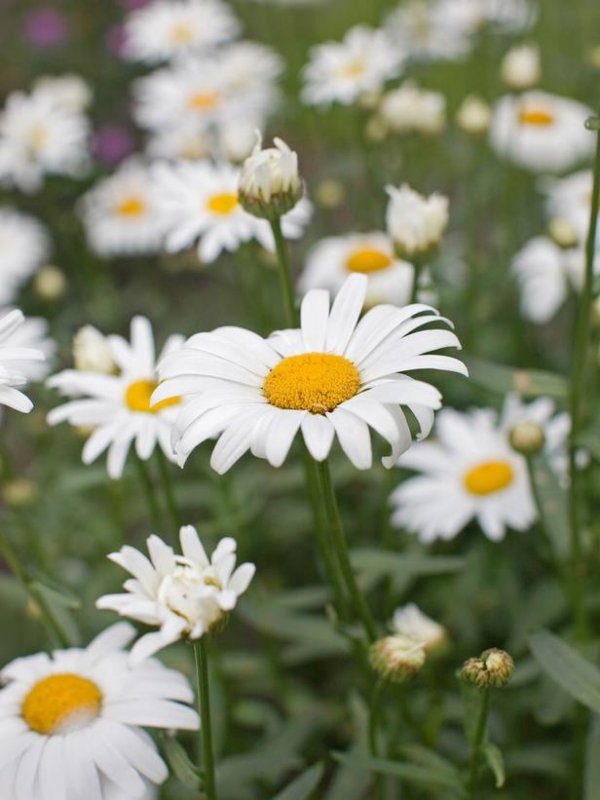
{"points": [[73, 717], [371, 254], [336, 376], [119, 407], [541, 132], [199, 202]]}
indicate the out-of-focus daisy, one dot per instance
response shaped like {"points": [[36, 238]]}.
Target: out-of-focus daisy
{"points": [[69, 91], [336, 376], [541, 132], [546, 273], [17, 362], [24, 244], [372, 254], [71, 723], [474, 116], [521, 67], [410, 109], [200, 202], [32, 334], [415, 223], [118, 407], [40, 135], [186, 595], [410, 621], [166, 29], [92, 351], [429, 30], [120, 214], [339, 72], [570, 199]]}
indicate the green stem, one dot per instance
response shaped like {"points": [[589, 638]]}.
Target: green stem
{"points": [[151, 500], [203, 699], [471, 787], [580, 350], [340, 547], [285, 276], [542, 517], [167, 483], [374, 714]]}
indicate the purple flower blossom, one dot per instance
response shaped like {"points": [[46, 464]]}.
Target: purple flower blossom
{"points": [[46, 27], [112, 143]]}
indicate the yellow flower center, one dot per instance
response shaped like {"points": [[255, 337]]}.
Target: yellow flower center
{"points": [[315, 382], [132, 206], [537, 116], [138, 394], [353, 68], [38, 138], [58, 700], [489, 477], [223, 204], [181, 33], [203, 101], [368, 260]]}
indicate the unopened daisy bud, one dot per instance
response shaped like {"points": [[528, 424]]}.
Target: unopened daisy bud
{"points": [[330, 193], [563, 233], [50, 283], [527, 437], [414, 222], [91, 352], [397, 658], [493, 668], [520, 68], [19, 492], [270, 185], [474, 116]]}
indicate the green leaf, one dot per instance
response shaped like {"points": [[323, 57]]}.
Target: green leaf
{"points": [[399, 565], [496, 763], [180, 763], [303, 786], [527, 382], [577, 676], [553, 500], [429, 776], [591, 790]]}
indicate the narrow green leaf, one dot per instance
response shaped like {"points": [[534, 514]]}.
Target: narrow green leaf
{"points": [[400, 565], [180, 763], [303, 786], [577, 676], [496, 763], [591, 790], [527, 382], [553, 500], [414, 773]]}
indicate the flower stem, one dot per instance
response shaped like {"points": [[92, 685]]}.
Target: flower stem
{"points": [[374, 714], [580, 350], [146, 481], [285, 277], [471, 786], [340, 547], [167, 483], [203, 700]]}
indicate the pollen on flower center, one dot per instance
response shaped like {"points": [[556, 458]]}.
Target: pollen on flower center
{"points": [[59, 700], [368, 260], [489, 477], [132, 206], [203, 101], [223, 204], [315, 382], [181, 33], [138, 397], [353, 68], [540, 117]]}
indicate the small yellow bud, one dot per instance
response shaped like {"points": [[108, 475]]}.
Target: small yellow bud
{"points": [[527, 437], [397, 658], [493, 668], [50, 283]]}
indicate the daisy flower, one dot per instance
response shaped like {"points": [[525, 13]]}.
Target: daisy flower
{"points": [[410, 109], [184, 595], [24, 245], [429, 30], [32, 334], [120, 214], [472, 472], [17, 362], [541, 132], [200, 202], [166, 29], [339, 72], [372, 254], [335, 376], [71, 722], [69, 91], [40, 135], [118, 407], [570, 199], [555, 427], [410, 621]]}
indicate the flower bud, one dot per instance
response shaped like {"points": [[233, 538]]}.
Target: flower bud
{"points": [[474, 116], [91, 352], [19, 492], [330, 193], [412, 109], [520, 68], [269, 184], [397, 658], [563, 233], [493, 668], [50, 283], [409, 620], [527, 437], [415, 223]]}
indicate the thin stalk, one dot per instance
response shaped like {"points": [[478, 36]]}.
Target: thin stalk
{"points": [[374, 715], [471, 787], [169, 493], [285, 277], [338, 538], [203, 699], [148, 486], [542, 516], [581, 350]]}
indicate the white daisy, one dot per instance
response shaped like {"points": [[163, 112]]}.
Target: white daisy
{"points": [[410, 621], [24, 245], [372, 254], [410, 109], [33, 334], [339, 72], [541, 132], [69, 91], [199, 202], [570, 199], [429, 30], [17, 362], [336, 376], [71, 723], [184, 595], [118, 407], [167, 29], [120, 214], [40, 136], [470, 472]]}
